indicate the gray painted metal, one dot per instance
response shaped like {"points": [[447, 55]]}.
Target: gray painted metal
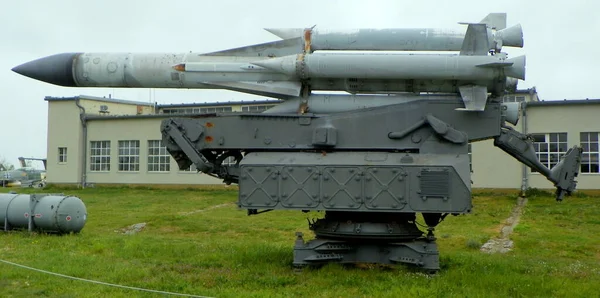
{"points": [[366, 129], [356, 181], [50, 213], [421, 252], [420, 73], [287, 75], [403, 39], [397, 66]]}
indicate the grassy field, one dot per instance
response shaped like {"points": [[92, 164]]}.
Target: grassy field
{"points": [[198, 242]]}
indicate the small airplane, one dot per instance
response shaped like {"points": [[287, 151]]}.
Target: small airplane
{"points": [[24, 176]]}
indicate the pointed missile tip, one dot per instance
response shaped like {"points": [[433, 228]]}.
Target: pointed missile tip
{"points": [[56, 69]]}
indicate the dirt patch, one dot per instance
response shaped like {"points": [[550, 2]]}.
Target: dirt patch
{"points": [[133, 229], [205, 209], [502, 243]]}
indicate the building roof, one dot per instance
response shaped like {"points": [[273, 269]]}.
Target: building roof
{"points": [[564, 102], [217, 104], [103, 99], [524, 91]]}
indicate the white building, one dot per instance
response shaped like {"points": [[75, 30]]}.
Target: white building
{"points": [[95, 140]]}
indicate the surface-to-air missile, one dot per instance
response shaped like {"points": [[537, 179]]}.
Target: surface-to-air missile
{"points": [[371, 161]]}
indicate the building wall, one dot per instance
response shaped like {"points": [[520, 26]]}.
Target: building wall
{"points": [[141, 130], [93, 107], [571, 119], [64, 130], [494, 168]]}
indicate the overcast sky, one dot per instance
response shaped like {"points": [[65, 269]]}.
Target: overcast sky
{"points": [[561, 43]]}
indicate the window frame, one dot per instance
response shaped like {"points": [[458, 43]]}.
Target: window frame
{"points": [[155, 160], [591, 148], [103, 152], [128, 156], [62, 155], [544, 150]]}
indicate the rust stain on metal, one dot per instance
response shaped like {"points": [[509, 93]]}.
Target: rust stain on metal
{"points": [[208, 139], [307, 40], [209, 124], [303, 108], [324, 153], [179, 67]]}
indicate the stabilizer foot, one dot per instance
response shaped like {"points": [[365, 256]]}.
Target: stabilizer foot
{"points": [[421, 253]]}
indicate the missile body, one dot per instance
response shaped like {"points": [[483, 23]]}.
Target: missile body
{"points": [[277, 77], [396, 66], [396, 39], [159, 70], [336, 103]]}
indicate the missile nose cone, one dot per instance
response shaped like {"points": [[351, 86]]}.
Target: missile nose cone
{"points": [[56, 69]]}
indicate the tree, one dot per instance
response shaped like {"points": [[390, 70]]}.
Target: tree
{"points": [[5, 165]]}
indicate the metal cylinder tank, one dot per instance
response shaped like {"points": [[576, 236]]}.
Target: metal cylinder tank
{"points": [[50, 213]]}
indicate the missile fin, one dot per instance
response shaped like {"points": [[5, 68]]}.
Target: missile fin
{"points": [[496, 64], [474, 97], [495, 20], [286, 33], [476, 41], [269, 49], [277, 89], [280, 64]]}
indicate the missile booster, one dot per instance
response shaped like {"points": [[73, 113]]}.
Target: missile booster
{"points": [[402, 39]]}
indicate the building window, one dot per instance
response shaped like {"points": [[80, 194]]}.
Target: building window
{"points": [[159, 160], [192, 168], [62, 154], [513, 98], [197, 110], [257, 108], [550, 147], [100, 156], [590, 158], [129, 156]]}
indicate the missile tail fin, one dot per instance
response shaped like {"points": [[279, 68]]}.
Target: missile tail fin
{"points": [[495, 20], [476, 41], [474, 97]]}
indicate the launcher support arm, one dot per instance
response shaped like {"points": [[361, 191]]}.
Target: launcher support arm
{"points": [[520, 146]]}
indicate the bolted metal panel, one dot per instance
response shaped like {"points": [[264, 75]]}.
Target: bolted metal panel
{"points": [[438, 188], [385, 188], [342, 188], [354, 181], [259, 186], [300, 186]]}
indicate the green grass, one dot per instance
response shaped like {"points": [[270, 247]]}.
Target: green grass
{"points": [[225, 253]]}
